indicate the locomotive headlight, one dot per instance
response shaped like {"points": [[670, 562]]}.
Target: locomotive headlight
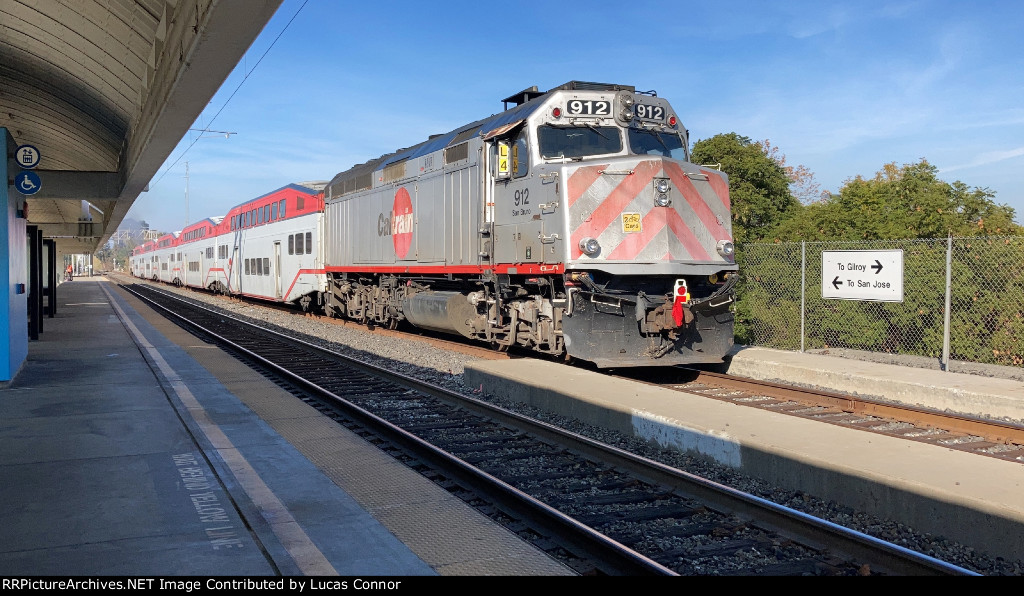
{"points": [[726, 248], [627, 115], [589, 246], [661, 185], [662, 200]]}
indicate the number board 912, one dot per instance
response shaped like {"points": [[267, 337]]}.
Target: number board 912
{"points": [[649, 112], [587, 107]]}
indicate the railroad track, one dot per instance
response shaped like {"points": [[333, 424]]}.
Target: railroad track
{"points": [[980, 436], [598, 508]]}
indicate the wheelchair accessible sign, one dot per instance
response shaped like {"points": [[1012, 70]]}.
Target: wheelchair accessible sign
{"points": [[26, 181]]}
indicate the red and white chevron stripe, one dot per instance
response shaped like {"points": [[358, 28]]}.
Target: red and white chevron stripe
{"points": [[687, 230]]}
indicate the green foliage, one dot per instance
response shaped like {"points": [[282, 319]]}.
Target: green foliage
{"points": [[758, 184], [986, 300], [904, 207], [901, 202]]}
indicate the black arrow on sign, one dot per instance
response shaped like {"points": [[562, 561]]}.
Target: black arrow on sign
{"points": [[877, 267], [836, 283]]}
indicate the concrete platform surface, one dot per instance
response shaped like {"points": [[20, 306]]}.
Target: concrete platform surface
{"points": [[973, 394], [130, 447]]}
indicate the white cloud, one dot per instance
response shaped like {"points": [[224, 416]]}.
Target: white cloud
{"points": [[984, 159]]}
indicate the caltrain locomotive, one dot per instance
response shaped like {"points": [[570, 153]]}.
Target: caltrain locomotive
{"points": [[572, 223]]}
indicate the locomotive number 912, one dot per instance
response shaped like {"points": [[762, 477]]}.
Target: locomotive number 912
{"points": [[572, 224]]}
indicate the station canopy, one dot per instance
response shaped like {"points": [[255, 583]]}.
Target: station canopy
{"points": [[104, 90]]}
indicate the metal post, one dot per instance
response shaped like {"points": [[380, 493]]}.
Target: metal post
{"points": [[50, 247], [35, 281], [803, 290], [949, 300]]}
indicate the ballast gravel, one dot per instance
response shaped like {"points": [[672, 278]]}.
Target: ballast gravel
{"points": [[445, 368]]}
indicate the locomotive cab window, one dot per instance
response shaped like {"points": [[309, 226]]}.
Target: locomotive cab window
{"points": [[653, 142], [576, 142]]}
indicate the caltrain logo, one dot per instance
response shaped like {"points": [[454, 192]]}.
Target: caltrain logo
{"points": [[398, 224]]}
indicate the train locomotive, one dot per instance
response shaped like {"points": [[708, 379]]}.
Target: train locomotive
{"points": [[572, 224]]}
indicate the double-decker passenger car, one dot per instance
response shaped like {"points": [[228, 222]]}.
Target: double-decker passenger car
{"points": [[269, 248]]}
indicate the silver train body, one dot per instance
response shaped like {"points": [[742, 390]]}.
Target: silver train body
{"points": [[572, 223]]}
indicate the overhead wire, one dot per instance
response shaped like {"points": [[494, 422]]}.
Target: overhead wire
{"points": [[233, 93]]}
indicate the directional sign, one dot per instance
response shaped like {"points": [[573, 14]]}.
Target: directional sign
{"points": [[27, 183], [27, 156], [873, 275]]}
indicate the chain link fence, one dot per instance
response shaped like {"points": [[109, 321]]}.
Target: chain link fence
{"points": [[978, 281]]}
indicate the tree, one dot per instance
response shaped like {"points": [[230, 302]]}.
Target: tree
{"points": [[909, 207], [900, 203], [759, 186], [802, 184]]}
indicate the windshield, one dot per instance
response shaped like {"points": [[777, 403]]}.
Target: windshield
{"points": [[578, 141], [650, 142]]}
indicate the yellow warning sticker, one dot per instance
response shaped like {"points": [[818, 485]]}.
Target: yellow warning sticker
{"points": [[631, 223]]}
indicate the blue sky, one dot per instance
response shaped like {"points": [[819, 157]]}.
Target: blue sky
{"points": [[841, 87]]}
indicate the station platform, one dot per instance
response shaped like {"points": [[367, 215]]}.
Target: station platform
{"points": [[977, 501], [129, 447], [990, 391]]}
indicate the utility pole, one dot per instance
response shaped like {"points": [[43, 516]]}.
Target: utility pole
{"points": [[202, 134]]}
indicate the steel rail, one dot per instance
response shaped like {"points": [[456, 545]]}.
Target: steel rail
{"points": [[996, 430], [814, 532], [614, 558]]}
